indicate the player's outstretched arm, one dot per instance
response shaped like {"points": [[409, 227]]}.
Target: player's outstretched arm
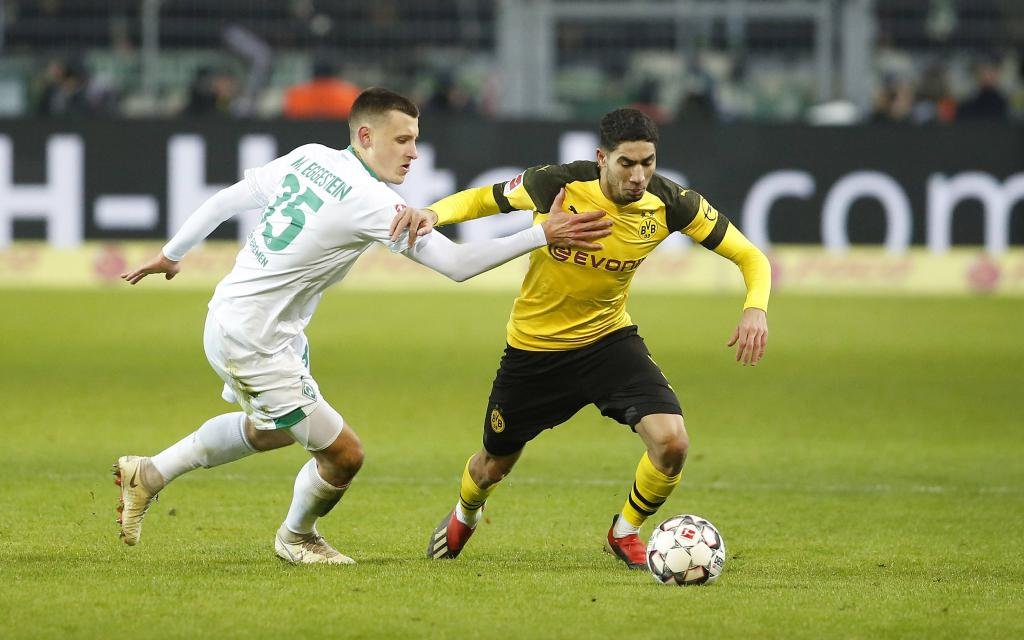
{"points": [[159, 264], [750, 336], [422, 220], [218, 208], [463, 261], [714, 231], [224, 204]]}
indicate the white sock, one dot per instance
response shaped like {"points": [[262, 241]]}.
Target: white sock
{"points": [[218, 441], [313, 497], [470, 520], [623, 528]]}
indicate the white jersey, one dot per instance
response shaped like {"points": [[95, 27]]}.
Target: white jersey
{"points": [[323, 208]]}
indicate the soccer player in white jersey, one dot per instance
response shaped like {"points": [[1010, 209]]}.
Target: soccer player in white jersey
{"points": [[322, 208]]}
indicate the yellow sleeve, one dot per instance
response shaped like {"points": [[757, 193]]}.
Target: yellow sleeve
{"points": [[532, 190], [753, 264], [465, 205], [715, 232]]}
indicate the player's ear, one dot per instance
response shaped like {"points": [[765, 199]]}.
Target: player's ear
{"points": [[602, 159], [365, 135]]}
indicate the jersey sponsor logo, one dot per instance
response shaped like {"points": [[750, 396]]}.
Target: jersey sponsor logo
{"points": [[585, 259], [497, 420], [513, 184]]}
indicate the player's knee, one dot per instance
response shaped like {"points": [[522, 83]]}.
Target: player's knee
{"points": [[352, 457], [346, 454], [495, 470], [670, 444], [675, 452], [487, 470]]}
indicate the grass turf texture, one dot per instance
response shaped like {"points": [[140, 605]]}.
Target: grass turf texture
{"points": [[867, 477]]}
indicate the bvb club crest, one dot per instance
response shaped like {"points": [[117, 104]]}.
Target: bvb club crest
{"points": [[497, 421], [648, 226]]}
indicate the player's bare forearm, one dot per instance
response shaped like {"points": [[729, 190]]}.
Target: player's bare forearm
{"points": [[422, 220], [159, 264], [750, 336], [575, 230]]}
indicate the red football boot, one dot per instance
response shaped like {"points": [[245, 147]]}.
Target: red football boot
{"points": [[448, 538], [630, 549]]}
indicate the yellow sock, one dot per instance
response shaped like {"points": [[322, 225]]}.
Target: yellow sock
{"points": [[650, 489], [471, 497]]}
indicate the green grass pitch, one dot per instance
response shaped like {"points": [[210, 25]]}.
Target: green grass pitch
{"points": [[867, 477]]}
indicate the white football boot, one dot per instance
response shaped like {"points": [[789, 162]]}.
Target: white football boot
{"points": [[309, 548], [135, 497]]}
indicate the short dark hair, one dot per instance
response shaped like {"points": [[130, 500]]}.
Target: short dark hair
{"points": [[626, 125], [377, 101]]}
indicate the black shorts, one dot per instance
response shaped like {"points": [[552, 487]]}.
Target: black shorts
{"points": [[538, 390]]}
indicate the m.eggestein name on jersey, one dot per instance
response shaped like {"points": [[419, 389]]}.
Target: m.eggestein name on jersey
{"points": [[585, 259], [321, 176]]}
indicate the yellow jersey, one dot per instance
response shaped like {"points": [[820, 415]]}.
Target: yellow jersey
{"points": [[570, 298]]}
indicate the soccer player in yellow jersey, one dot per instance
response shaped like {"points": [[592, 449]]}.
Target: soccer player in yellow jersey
{"points": [[571, 341]]}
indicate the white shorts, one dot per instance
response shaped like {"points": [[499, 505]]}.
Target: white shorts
{"points": [[275, 391]]}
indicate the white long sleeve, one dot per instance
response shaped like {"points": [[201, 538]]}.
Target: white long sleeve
{"points": [[221, 206], [463, 261]]}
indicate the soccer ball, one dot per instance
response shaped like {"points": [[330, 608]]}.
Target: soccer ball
{"points": [[685, 550]]}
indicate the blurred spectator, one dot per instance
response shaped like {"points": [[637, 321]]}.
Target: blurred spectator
{"points": [[211, 93], [324, 96], [698, 101], [989, 102], [65, 89], [894, 101], [645, 97], [448, 96], [935, 102]]}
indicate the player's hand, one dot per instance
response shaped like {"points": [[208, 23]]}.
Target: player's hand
{"points": [[422, 220], [575, 230], [750, 336], [159, 264]]}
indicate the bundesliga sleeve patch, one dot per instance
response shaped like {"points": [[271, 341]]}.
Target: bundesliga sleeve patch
{"points": [[513, 184]]}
